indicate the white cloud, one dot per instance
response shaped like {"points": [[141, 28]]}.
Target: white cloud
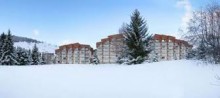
{"points": [[188, 12], [36, 33]]}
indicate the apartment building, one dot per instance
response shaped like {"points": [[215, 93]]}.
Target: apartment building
{"points": [[163, 47], [48, 57], [108, 49], [74, 54], [169, 48]]}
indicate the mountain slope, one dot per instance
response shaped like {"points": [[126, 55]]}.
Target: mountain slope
{"points": [[43, 47], [24, 39], [28, 43]]}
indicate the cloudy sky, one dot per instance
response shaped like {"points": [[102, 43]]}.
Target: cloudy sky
{"points": [[88, 21]]}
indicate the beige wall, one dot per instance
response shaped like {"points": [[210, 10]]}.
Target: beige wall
{"points": [[76, 56], [168, 50], [108, 51]]}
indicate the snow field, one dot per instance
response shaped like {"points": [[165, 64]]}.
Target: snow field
{"points": [[167, 79]]}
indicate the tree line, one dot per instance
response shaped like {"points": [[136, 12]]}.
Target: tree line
{"points": [[10, 55], [204, 33]]}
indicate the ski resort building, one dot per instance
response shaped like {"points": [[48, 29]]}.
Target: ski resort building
{"points": [[108, 49], [163, 47], [74, 54], [48, 57], [166, 47]]}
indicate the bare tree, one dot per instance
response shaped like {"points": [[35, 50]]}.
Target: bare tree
{"points": [[204, 30]]}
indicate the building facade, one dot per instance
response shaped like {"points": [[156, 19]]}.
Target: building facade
{"points": [[48, 58], [166, 47], [163, 47], [74, 54], [108, 49]]}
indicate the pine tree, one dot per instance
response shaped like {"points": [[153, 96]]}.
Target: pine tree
{"points": [[8, 55], [95, 59], [123, 57], [35, 56], [155, 58], [201, 51], [137, 39], [2, 41], [29, 57], [41, 59], [22, 56]]}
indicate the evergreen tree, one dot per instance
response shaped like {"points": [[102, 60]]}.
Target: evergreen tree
{"points": [[29, 57], [201, 51], [35, 56], [191, 54], [42, 59], [137, 39], [22, 56], [123, 56], [2, 41], [8, 55], [95, 59], [155, 58]]}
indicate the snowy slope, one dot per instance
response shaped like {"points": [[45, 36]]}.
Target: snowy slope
{"points": [[43, 47], [169, 79]]}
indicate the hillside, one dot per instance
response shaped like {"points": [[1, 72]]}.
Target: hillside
{"points": [[24, 39], [168, 79], [43, 47], [28, 43]]}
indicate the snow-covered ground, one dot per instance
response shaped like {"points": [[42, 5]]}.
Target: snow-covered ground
{"points": [[43, 47], [168, 79]]}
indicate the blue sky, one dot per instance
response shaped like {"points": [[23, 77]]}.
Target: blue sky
{"points": [[88, 21]]}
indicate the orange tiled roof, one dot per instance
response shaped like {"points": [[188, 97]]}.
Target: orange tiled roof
{"points": [[73, 46]]}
